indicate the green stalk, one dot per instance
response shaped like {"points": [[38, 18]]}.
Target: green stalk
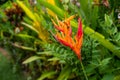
{"points": [[99, 37], [83, 70]]}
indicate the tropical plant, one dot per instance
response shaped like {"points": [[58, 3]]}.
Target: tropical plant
{"points": [[62, 39]]}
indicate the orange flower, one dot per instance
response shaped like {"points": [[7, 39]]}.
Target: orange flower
{"points": [[64, 35]]}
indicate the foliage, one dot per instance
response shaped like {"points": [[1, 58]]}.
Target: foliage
{"points": [[36, 53], [9, 69]]}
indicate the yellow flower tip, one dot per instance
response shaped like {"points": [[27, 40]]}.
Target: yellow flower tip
{"points": [[70, 18], [57, 20], [53, 22], [67, 21]]}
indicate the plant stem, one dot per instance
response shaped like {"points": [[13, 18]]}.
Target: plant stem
{"points": [[83, 70]]}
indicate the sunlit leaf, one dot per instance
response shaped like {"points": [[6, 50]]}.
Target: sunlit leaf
{"points": [[24, 36], [27, 11], [105, 61], [53, 59], [32, 58], [53, 8], [65, 73], [31, 27], [46, 75], [108, 20]]}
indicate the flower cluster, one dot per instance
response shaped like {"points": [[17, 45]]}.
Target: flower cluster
{"points": [[64, 35]]}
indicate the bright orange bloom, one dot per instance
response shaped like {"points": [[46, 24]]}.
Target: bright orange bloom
{"points": [[64, 35]]}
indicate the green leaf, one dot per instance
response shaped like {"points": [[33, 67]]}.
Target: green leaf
{"points": [[46, 75], [108, 77], [24, 36], [97, 36], [48, 53], [27, 11], [117, 77], [55, 9], [31, 27], [33, 58], [65, 73], [117, 36], [105, 61], [54, 59], [23, 47], [114, 30], [65, 1], [108, 21]]}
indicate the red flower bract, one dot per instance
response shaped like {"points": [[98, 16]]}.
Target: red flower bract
{"points": [[64, 35]]}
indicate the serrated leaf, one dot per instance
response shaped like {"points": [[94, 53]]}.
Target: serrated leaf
{"points": [[108, 20], [117, 36], [105, 61], [31, 59], [46, 74], [114, 30]]}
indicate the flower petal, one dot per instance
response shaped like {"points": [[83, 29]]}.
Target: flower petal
{"points": [[80, 31], [64, 36], [56, 26]]}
